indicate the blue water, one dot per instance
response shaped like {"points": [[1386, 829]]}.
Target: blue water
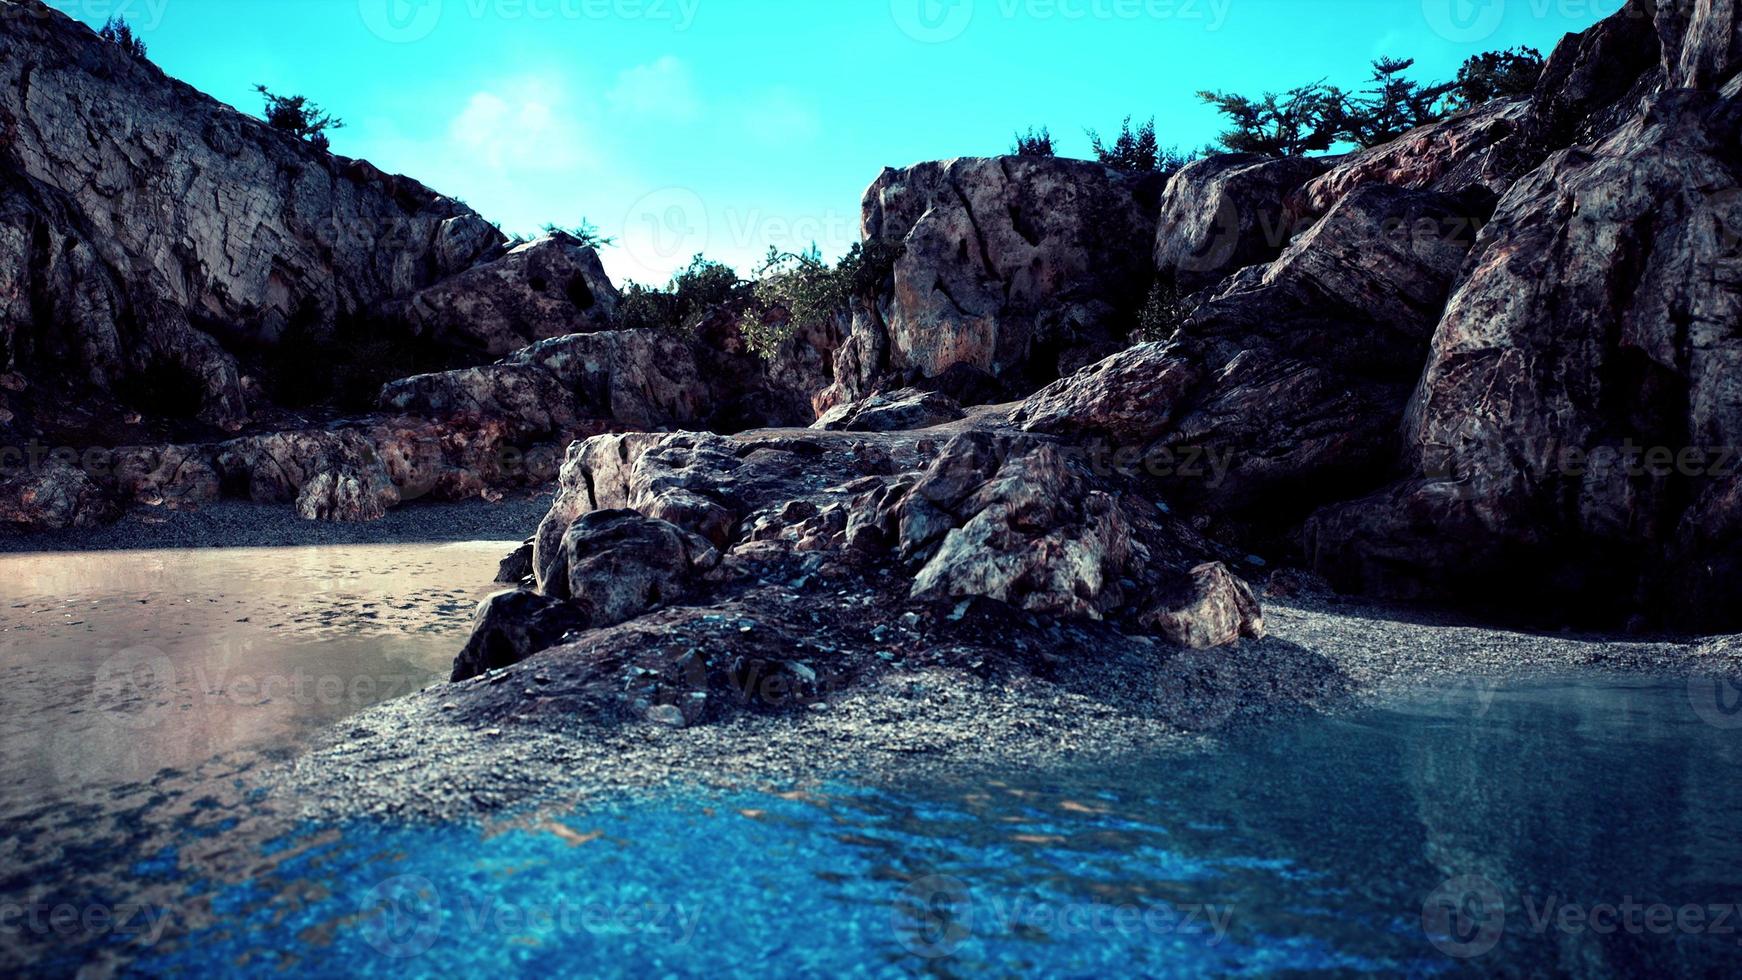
{"points": [[1543, 828]]}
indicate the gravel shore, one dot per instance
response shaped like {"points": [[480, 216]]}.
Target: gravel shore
{"points": [[411, 760], [241, 524]]}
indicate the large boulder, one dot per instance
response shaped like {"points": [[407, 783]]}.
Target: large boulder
{"points": [[908, 408], [1021, 267], [1581, 399], [508, 627], [1225, 212], [689, 560], [51, 494], [1288, 386], [157, 230], [347, 496], [617, 564], [547, 288], [1469, 151]]}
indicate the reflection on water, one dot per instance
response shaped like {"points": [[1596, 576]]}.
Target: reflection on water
{"points": [[122, 664], [1452, 833]]}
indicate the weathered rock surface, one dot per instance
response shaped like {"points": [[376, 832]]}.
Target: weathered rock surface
{"points": [[1289, 385], [1469, 151], [55, 494], [347, 496], [1226, 212], [570, 387], [511, 626], [151, 237], [908, 408], [658, 539], [1582, 386], [1021, 267], [548, 288]]}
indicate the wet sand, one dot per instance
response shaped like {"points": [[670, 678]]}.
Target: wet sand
{"points": [[124, 664]]}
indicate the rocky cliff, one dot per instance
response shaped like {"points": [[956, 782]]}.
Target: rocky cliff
{"points": [[194, 305]]}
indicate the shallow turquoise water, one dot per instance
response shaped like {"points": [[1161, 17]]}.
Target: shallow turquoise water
{"points": [[1530, 829]]}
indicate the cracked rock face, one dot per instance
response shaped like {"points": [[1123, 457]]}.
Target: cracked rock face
{"points": [[1019, 267], [548, 288], [1226, 212], [151, 232], [731, 534], [1595, 330], [1290, 383]]}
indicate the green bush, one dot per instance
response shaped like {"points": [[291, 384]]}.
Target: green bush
{"points": [[586, 233], [298, 116], [680, 305], [1163, 313], [1498, 75], [1304, 120], [810, 291], [1034, 144], [116, 30]]}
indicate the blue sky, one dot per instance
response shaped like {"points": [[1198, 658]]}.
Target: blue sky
{"points": [[727, 126]]}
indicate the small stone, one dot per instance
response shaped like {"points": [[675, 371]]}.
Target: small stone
{"points": [[667, 715]]}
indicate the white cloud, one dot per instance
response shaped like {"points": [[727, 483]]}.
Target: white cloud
{"points": [[520, 125], [781, 117], [662, 89]]}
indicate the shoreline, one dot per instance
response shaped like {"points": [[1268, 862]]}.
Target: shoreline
{"points": [[245, 524], [1324, 654], [1324, 657]]}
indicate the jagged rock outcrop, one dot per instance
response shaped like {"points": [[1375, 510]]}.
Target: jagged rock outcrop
{"points": [[54, 494], [571, 387], [1585, 362], [1021, 267], [1226, 212], [540, 290], [937, 523], [153, 237], [1290, 384], [1471, 150], [893, 411], [1569, 436]]}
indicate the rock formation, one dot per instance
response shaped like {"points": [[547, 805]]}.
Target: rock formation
{"points": [[153, 237], [1022, 268], [656, 540]]}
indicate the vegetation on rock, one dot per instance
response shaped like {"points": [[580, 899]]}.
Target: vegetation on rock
{"points": [[297, 115]]}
